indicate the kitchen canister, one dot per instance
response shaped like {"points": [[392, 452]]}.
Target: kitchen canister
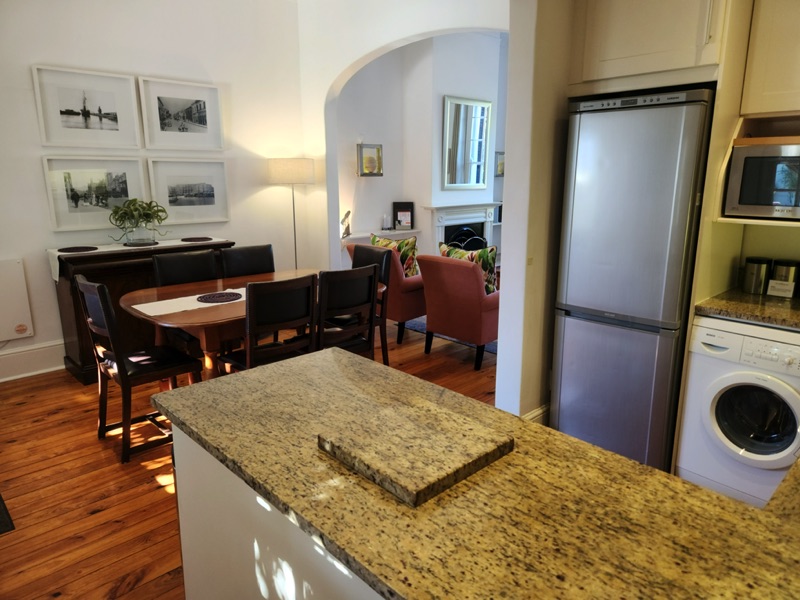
{"points": [[756, 274], [784, 270]]}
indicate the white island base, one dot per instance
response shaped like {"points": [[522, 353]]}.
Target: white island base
{"points": [[235, 544]]}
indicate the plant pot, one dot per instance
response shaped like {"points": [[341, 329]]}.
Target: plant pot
{"points": [[141, 236]]}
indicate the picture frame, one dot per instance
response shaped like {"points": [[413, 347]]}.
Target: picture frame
{"points": [[499, 164], [403, 215], [86, 108], [370, 160], [82, 190], [180, 115], [192, 190]]}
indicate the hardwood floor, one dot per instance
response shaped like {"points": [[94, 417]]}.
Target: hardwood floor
{"points": [[87, 526]]}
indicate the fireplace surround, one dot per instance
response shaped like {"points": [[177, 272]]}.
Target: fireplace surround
{"points": [[443, 217]]}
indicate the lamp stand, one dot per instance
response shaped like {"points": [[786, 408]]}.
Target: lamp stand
{"points": [[294, 227]]}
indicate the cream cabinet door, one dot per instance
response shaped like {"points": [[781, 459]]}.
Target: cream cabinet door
{"points": [[632, 37], [772, 79]]}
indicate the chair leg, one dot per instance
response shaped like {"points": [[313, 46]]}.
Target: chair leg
{"points": [[126, 424], [401, 328], [102, 404], [479, 357], [428, 341], [384, 343], [195, 377]]}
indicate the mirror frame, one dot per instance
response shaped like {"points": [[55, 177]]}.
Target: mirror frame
{"points": [[450, 103]]}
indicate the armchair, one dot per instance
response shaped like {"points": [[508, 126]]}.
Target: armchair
{"points": [[404, 298], [457, 303]]}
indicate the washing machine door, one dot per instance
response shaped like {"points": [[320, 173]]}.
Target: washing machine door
{"points": [[754, 417]]}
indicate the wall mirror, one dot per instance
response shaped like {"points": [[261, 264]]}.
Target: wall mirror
{"points": [[465, 144]]}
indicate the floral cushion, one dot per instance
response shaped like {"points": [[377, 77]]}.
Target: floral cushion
{"points": [[406, 248], [485, 258]]}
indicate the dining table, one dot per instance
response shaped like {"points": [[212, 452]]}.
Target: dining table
{"points": [[213, 311]]}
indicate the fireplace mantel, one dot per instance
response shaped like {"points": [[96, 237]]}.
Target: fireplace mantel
{"points": [[463, 214]]}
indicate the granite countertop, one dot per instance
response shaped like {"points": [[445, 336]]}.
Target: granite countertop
{"points": [[556, 517], [752, 308]]}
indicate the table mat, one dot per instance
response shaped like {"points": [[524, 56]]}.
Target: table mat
{"points": [[164, 307]]}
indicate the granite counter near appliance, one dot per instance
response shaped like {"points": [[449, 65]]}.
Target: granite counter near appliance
{"points": [[757, 309], [556, 517]]}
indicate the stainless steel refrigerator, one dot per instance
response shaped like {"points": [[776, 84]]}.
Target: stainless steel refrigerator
{"points": [[632, 200]]}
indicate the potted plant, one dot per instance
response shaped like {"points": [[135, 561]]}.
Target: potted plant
{"points": [[138, 221]]}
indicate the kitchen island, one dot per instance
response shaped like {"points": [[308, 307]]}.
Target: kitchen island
{"points": [[556, 517]]}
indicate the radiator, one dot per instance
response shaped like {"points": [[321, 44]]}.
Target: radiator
{"points": [[15, 310]]}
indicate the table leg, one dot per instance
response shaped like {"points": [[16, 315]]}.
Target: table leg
{"points": [[210, 364]]}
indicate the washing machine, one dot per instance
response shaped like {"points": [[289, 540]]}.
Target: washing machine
{"points": [[738, 428]]}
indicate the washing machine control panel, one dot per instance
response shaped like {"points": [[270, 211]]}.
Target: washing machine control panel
{"points": [[772, 356]]}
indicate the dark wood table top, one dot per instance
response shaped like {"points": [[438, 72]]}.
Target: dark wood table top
{"points": [[206, 315]]}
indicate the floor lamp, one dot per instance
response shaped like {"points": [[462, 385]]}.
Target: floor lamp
{"points": [[291, 171]]}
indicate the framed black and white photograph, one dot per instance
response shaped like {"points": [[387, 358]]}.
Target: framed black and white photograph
{"points": [[86, 108], [180, 116], [193, 191], [82, 191], [370, 160]]}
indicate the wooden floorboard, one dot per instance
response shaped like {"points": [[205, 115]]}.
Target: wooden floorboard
{"points": [[87, 526]]}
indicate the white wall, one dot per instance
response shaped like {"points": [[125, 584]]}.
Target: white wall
{"points": [[371, 111], [539, 49], [456, 58]]}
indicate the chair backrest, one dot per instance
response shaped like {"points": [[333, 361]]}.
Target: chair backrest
{"points": [[364, 256], [184, 267], [347, 303], [102, 323], [273, 306], [247, 260], [452, 287]]}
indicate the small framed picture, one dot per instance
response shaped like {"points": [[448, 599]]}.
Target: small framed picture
{"points": [[499, 164], [86, 108], [193, 191], [370, 160], [403, 215], [180, 116], [82, 191]]}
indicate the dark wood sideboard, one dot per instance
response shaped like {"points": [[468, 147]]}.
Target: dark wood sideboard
{"points": [[121, 271]]}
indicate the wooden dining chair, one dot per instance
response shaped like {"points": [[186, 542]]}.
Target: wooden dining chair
{"points": [[240, 261], [347, 308], [364, 255], [184, 267], [247, 260], [288, 308], [404, 299], [128, 367]]}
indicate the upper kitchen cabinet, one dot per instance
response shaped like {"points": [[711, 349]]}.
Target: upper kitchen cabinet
{"points": [[634, 37], [772, 79]]}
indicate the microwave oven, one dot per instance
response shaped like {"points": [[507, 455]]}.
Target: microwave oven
{"points": [[763, 182]]}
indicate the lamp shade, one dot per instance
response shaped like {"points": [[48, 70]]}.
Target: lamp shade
{"points": [[290, 170]]}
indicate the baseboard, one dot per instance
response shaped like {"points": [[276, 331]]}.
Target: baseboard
{"points": [[31, 360], [539, 415]]}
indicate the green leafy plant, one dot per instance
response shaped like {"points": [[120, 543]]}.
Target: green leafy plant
{"points": [[135, 213]]}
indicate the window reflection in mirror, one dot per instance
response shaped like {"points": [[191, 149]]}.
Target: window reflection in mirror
{"points": [[466, 143]]}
